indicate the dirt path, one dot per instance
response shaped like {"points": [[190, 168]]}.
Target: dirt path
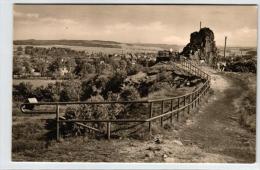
{"points": [[216, 128], [211, 134]]}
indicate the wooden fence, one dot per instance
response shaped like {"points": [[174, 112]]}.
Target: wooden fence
{"points": [[178, 105]]}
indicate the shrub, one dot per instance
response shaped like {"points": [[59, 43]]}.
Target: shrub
{"points": [[115, 84], [85, 112], [22, 91], [93, 87], [134, 69], [70, 91], [129, 93]]}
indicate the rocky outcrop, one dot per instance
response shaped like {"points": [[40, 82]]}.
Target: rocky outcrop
{"points": [[201, 46]]}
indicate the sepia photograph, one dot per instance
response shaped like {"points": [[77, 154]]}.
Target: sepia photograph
{"points": [[134, 83]]}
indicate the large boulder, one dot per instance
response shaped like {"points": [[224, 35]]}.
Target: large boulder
{"points": [[201, 46]]}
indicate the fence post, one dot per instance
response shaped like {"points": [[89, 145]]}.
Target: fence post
{"points": [[192, 99], [190, 69], [150, 116], [171, 110], [108, 130], [199, 97], [184, 103], [195, 99], [57, 123], [178, 106], [162, 111], [189, 104]]}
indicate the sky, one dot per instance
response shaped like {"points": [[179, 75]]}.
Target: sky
{"points": [[162, 24]]}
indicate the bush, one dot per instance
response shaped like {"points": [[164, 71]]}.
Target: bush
{"points": [[85, 112], [70, 91], [87, 89], [159, 86], [115, 84], [134, 69], [93, 87], [22, 91], [129, 93]]}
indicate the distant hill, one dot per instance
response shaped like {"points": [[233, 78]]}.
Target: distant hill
{"points": [[84, 43], [93, 43], [163, 46]]}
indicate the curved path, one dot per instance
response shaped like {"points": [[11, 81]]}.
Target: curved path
{"points": [[212, 134], [215, 129]]}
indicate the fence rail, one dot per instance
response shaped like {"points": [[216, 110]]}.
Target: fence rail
{"points": [[182, 103]]}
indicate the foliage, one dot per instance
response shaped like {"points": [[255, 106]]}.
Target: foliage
{"points": [[129, 93], [19, 48], [86, 112], [28, 67], [115, 84], [17, 67], [22, 91], [79, 64], [70, 91], [134, 69], [55, 65], [83, 68]]}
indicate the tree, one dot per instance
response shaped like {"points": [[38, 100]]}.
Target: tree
{"points": [[70, 91], [87, 89], [55, 65], [28, 67], [28, 50], [129, 93], [17, 67], [83, 68], [50, 93], [70, 64], [122, 64], [41, 66], [20, 49], [22, 91], [134, 69], [115, 84], [87, 69]]}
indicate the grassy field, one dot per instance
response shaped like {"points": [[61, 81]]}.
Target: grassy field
{"points": [[124, 48], [96, 46], [35, 82], [246, 104]]}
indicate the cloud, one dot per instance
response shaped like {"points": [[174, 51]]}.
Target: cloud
{"points": [[174, 40], [149, 32], [57, 21], [35, 18], [243, 36], [149, 24], [25, 15], [246, 30], [156, 26]]}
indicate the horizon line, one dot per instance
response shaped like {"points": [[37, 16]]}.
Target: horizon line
{"points": [[152, 43]]}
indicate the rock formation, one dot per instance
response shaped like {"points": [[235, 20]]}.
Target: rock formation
{"points": [[201, 46]]}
